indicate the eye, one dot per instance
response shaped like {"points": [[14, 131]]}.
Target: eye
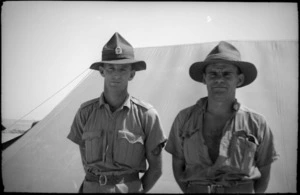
{"points": [[228, 74], [212, 74], [109, 69]]}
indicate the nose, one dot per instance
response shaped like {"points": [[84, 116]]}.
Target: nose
{"points": [[116, 74], [219, 78]]}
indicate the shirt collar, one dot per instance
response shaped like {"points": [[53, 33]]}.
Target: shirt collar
{"points": [[202, 103], [126, 103]]}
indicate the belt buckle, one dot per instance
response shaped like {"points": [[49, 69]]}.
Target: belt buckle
{"points": [[101, 182], [213, 188]]}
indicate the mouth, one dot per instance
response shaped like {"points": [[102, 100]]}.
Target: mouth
{"points": [[115, 82], [219, 88]]}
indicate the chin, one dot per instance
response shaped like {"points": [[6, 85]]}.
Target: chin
{"points": [[219, 95], [115, 84]]}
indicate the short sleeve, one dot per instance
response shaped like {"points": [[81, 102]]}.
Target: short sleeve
{"points": [[76, 131], [266, 153], [174, 144], [154, 131]]}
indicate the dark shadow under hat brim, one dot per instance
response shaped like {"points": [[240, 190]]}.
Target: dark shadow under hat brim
{"points": [[247, 68], [137, 65]]}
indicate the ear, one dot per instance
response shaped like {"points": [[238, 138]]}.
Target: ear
{"points": [[241, 79], [132, 74], [101, 70]]}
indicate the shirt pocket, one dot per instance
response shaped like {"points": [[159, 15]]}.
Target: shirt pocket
{"points": [[94, 145], [242, 151], [129, 148]]}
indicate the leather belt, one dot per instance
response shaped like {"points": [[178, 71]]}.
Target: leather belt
{"points": [[111, 179], [217, 188]]}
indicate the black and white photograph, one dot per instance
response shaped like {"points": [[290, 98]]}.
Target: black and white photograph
{"points": [[166, 97]]}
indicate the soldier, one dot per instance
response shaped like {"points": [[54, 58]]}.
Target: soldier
{"points": [[118, 134], [218, 145]]}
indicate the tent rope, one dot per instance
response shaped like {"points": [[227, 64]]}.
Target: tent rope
{"points": [[50, 97]]}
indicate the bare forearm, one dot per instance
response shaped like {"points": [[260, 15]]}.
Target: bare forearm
{"points": [[154, 171], [150, 178], [178, 170], [261, 184], [182, 185]]}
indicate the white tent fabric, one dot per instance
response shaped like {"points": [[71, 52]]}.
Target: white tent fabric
{"points": [[44, 160]]}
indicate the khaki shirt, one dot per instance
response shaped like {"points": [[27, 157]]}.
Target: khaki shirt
{"points": [[246, 144], [116, 142]]}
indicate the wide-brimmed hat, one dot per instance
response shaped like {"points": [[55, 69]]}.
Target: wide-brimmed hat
{"points": [[224, 52], [118, 51]]}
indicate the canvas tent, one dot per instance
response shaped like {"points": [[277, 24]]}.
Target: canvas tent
{"points": [[44, 160], [14, 131]]}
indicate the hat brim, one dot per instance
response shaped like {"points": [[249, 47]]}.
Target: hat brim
{"points": [[137, 65], [248, 69]]}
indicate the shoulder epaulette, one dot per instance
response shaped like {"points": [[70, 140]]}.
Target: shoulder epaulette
{"points": [[89, 102], [141, 103]]}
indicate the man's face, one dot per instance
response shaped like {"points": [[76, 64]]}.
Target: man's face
{"points": [[117, 75], [221, 80]]}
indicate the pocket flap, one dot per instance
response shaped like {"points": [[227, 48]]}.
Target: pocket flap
{"points": [[188, 133], [92, 134], [250, 137]]}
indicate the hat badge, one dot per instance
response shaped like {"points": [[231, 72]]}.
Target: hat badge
{"points": [[118, 50]]}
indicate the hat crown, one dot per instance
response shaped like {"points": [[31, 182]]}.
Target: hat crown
{"points": [[119, 51], [224, 51], [117, 48]]}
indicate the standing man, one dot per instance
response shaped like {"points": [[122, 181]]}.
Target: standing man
{"points": [[117, 134], [218, 145]]}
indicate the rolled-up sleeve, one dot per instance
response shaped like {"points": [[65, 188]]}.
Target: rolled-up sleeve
{"points": [[266, 153], [154, 131], [76, 131]]}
